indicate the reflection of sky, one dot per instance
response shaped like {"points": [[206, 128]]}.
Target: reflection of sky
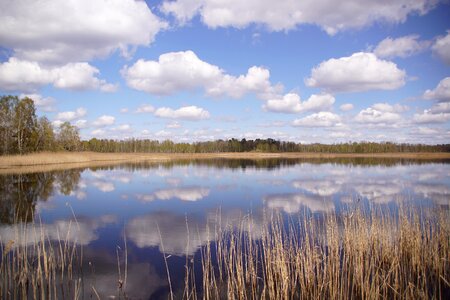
{"points": [[193, 189], [145, 203]]}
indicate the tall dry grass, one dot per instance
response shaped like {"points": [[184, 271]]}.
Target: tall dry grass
{"points": [[52, 158], [33, 267], [378, 255]]}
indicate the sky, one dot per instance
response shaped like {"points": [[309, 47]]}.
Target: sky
{"points": [[196, 70]]}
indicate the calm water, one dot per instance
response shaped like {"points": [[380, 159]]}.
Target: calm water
{"points": [[142, 203]]}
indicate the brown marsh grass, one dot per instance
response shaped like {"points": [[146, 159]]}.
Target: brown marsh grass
{"points": [[53, 158], [404, 255], [34, 267]]}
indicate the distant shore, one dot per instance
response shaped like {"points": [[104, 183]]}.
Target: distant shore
{"points": [[84, 159]]}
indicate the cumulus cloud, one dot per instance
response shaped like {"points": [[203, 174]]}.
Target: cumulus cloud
{"points": [[173, 125], [184, 71], [291, 103], [70, 31], [104, 186], [386, 107], [441, 107], [380, 113], [400, 47], [428, 117], [80, 76], [104, 121], [146, 231], [98, 132], [320, 119], [145, 108], [442, 48], [356, 73], [84, 233], [190, 113], [346, 107], [123, 128], [18, 75], [292, 203], [81, 124], [21, 75], [46, 104], [71, 115], [193, 193], [441, 92], [287, 14]]}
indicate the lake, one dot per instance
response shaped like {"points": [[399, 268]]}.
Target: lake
{"points": [[125, 216]]}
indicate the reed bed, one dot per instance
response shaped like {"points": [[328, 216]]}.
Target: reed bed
{"points": [[33, 267], [54, 158], [377, 255]]}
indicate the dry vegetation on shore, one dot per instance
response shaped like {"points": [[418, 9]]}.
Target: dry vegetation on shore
{"points": [[359, 256], [87, 158], [378, 255]]}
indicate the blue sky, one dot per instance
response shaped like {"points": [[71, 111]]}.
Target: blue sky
{"points": [[193, 70]]}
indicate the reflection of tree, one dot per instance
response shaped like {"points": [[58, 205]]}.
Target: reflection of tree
{"points": [[20, 192], [68, 180], [269, 163]]}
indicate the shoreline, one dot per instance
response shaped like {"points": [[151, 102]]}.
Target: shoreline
{"points": [[68, 160]]}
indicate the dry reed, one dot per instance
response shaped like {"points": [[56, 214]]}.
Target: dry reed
{"points": [[377, 255], [34, 267], [53, 158]]}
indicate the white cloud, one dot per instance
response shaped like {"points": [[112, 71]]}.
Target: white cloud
{"points": [[356, 73], [173, 125], [43, 103], [442, 48], [386, 107], [346, 107], [320, 119], [288, 14], [441, 92], [81, 124], [184, 71], [98, 132], [123, 128], [58, 32], [290, 103], [124, 110], [400, 47], [428, 117], [145, 108], [185, 193], [104, 186], [194, 193], [20, 75], [162, 133], [57, 123], [292, 203], [80, 76], [426, 131], [190, 113], [104, 121], [373, 115], [441, 107], [71, 115]]}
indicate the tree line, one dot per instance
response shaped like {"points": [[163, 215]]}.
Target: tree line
{"points": [[258, 145], [21, 131]]}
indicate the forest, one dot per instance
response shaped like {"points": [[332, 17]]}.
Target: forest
{"points": [[21, 131]]}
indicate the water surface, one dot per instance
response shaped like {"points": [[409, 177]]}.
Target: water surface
{"points": [[176, 206]]}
